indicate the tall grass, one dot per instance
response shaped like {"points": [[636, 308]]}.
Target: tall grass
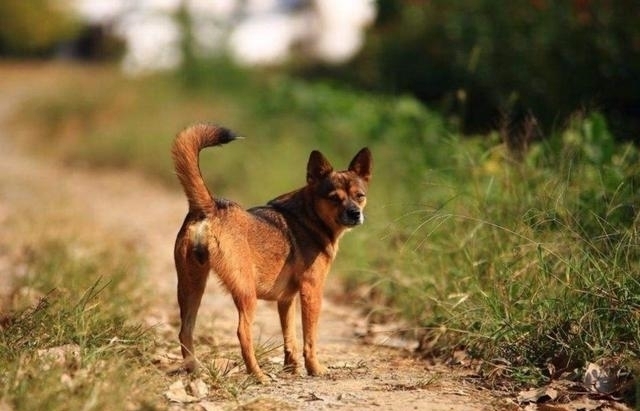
{"points": [[530, 257], [534, 263]]}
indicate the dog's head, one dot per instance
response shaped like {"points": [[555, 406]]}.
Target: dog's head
{"points": [[340, 196]]}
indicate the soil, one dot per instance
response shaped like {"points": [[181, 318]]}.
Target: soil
{"points": [[362, 375]]}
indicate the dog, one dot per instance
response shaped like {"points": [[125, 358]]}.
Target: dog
{"points": [[274, 252]]}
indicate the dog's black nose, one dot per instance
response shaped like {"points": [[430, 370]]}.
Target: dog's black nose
{"points": [[354, 214]]}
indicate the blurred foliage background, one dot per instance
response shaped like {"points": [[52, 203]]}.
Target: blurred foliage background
{"points": [[34, 28], [479, 60]]}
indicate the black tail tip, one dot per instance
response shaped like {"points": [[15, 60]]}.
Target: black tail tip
{"points": [[213, 134], [226, 135]]}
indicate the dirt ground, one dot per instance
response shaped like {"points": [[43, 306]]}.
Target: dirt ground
{"points": [[362, 376]]}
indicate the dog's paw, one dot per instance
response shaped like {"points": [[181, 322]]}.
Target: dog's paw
{"points": [[262, 378], [190, 365], [317, 369], [186, 367], [292, 368]]}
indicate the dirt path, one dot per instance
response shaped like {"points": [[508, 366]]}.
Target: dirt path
{"points": [[362, 376]]}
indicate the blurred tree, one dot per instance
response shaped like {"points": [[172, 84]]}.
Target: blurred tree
{"points": [[481, 59], [33, 27]]}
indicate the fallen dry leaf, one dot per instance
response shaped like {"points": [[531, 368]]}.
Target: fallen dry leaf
{"points": [[536, 395], [601, 380], [178, 393], [198, 389]]}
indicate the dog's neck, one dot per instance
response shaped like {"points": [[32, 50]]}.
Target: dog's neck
{"points": [[298, 204]]}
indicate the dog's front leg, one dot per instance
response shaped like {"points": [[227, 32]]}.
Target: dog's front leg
{"points": [[246, 305], [287, 312], [310, 304]]}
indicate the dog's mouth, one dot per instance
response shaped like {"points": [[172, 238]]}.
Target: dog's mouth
{"points": [[350, 223]]}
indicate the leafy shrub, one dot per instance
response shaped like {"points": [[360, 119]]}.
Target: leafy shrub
{"points": [[477, 59]]}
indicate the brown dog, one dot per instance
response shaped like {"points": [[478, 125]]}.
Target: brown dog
{"points": [[274, 252]]}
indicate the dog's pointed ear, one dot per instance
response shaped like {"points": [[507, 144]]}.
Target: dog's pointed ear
{"points": [[361, 164], [318, 167]]}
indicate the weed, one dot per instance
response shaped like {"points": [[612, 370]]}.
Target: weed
{"points": [[67, 350]]}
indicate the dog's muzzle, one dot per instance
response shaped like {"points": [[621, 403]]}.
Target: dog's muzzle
{"points": [[352, 217]]}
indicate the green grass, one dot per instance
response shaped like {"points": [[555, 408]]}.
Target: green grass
{"points": [[75, 344], [528, 255], [534, 263]]}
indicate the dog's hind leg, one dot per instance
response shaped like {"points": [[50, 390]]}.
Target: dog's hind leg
{"points": [[192, 279], [287, 312]]}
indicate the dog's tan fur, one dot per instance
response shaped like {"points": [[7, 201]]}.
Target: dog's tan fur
{"points": [[274, 252]]}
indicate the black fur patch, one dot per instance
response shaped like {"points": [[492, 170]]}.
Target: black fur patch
{"points": [[224, 203], [201, 253]]}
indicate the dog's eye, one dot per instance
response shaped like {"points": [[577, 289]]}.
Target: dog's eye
{"points": [[360, 196], [335, 198]]}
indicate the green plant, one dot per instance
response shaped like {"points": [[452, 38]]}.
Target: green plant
{"points": [[533, 263], [69, 348]]}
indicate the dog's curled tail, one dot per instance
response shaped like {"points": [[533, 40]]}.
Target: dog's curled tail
{"points": [[185, 153]]}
